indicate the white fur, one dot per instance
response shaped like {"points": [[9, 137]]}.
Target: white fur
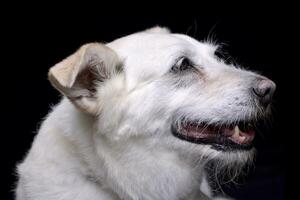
{"points": [[121, 146]]}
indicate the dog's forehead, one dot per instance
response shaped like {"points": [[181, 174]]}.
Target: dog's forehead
{"points": [[150, 44], [147, 55]]}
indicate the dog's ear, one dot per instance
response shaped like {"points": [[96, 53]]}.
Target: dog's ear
{"points": [[78, 76]]}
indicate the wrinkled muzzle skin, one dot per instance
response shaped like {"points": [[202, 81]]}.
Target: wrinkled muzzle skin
{"points": [[140, 119]]}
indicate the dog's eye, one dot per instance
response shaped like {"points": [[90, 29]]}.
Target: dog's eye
{"points": [[182, 64]]}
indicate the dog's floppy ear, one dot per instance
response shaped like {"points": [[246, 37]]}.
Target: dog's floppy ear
{"points": [[78, 75]]}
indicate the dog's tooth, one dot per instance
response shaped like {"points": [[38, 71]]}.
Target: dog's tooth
{"points": [[236, 132]]}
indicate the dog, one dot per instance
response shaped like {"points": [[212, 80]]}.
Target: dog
{"points": [[140, 119]]}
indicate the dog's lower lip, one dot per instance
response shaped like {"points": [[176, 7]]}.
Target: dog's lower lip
{"points": [[230, 135]]}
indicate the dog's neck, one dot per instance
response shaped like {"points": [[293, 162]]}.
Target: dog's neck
{"points": [[131, 166]]}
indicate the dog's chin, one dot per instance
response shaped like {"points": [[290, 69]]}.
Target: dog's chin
{"points": [[226, 137]]}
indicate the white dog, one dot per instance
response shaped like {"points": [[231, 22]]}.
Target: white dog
{"points": [[140, 119]]}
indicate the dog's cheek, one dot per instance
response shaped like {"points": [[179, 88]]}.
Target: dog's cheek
{"points": [[138, 113], [147, 110]]}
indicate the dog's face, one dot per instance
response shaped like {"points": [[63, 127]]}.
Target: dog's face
{"points": [[169, 90]]}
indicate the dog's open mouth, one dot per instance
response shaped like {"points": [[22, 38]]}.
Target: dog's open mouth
{"points": [[238, 136]]}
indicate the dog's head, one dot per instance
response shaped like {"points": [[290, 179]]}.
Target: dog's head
{"points": [[169, 89]]}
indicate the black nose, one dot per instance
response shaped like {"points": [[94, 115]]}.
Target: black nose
{"points": [[264, 90]]}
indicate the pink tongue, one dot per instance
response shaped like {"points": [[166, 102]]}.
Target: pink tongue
{"points": [[242, 137]]}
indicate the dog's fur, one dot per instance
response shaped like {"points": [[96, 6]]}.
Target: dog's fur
{"points": [[110, 138]]}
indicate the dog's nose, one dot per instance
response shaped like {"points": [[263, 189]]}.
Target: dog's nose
{"points": [[264, 90]]}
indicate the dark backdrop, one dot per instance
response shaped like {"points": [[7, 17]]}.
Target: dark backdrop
{"points": [[37, 42]]}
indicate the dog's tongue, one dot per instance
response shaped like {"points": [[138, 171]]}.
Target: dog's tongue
{"points": [[238, 136]]}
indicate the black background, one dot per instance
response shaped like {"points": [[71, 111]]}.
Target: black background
{"points": [[36, 41]]}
